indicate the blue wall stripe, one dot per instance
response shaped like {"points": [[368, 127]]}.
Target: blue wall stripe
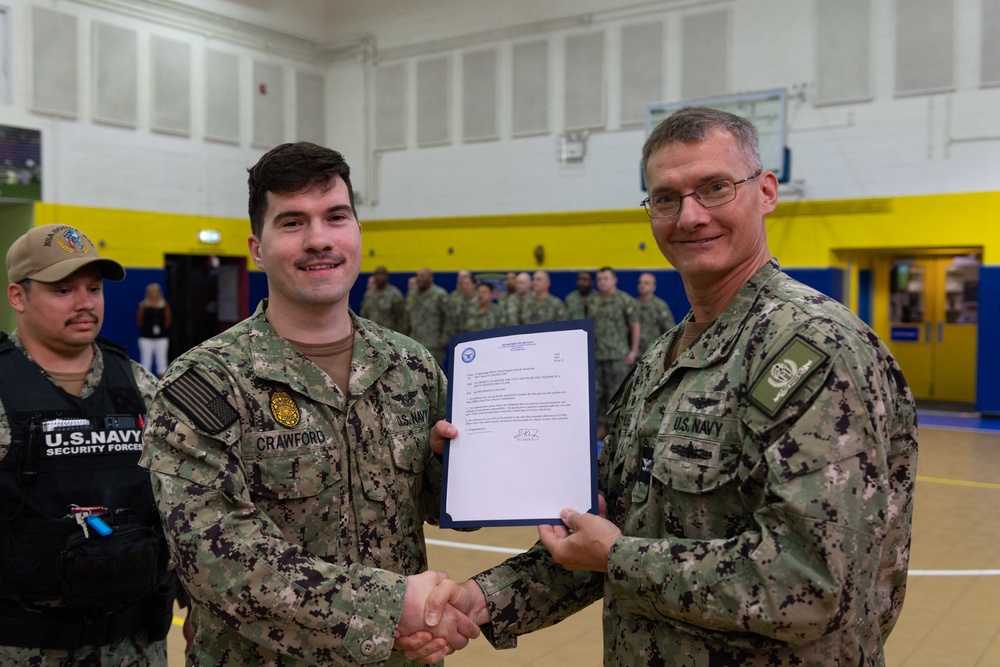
{"points": [[865, 296], [668, 284], [121, 301], [988, 349]]}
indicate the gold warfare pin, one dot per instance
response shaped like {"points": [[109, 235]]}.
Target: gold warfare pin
{"points": [[284, 409]]}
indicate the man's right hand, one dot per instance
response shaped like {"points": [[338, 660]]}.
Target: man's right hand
{"points": [[446, 597], [451, 629]]}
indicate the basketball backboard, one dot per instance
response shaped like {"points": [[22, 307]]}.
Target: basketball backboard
{"points": [[765, 109]]}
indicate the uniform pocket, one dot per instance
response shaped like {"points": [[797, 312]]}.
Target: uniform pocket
{"points": [[396, 480], [290, 464], [696, 452], [409, 450], [692, 465]]}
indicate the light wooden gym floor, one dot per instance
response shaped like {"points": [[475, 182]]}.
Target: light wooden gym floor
{"points": [[951, 616]]}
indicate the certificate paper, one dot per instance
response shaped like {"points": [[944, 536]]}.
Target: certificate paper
{"points": [[522, 399]]}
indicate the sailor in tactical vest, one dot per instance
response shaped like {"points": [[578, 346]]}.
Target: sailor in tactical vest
{"points": [[83, 564]]}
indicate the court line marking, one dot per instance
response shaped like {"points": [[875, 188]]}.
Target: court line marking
{"points": [[967, 429], [954, 573], [475, 547], [957, 482]]}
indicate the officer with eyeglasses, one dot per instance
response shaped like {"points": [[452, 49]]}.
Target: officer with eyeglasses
{"points": [[760, 468]]}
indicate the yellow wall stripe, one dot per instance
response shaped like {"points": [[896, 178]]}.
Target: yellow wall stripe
{"points": [[802, 234]]}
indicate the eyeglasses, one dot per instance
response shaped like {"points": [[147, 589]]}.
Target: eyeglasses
{"points": [[710, 195]]}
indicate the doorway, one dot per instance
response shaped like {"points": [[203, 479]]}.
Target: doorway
{"points": [[930, 320], [208, 294]]}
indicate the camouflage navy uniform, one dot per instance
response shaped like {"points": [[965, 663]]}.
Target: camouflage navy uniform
{"points": [[612, 342], [763, 484], [461, 310], [549, 309], [428, 316], [294, 512], [576, 305], [477, 321], [655, 319], [386, 307], [134, 650], [510, 306]]}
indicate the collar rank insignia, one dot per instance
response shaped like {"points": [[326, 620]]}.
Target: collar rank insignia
{"points": [[284, 409]]}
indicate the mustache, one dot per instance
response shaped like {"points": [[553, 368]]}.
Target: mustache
{"points": [[320, 258], [85, 316]]}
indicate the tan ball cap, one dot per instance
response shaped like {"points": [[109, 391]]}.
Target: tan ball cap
{"points": [[51, 253]]}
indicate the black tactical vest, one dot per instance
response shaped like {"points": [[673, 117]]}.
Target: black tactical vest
{"points": [[68, 452]]}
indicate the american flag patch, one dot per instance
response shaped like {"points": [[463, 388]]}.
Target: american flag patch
{"points": [[207, 408]]}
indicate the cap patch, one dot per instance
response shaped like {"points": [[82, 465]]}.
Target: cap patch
{"points": [[70, 240]]}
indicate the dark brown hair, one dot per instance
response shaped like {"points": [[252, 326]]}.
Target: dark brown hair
{"points": [[290, 168]]}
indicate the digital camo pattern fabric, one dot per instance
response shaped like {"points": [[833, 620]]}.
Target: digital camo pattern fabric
{"points": [[576, 305], [136, 650], [428, 315], [480, 321], [386, 307], [461, 309], [294, 512], [764, 487], [655, 319], [612, 318], [549, 309], [510, 306]]}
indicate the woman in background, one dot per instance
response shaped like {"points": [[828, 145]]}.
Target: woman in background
{"points": [[153, 318]]}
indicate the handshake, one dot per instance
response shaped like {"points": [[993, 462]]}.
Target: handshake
{"points": [[439, 616]]}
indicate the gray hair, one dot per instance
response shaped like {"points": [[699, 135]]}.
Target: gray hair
{"points": [[693, 124]]}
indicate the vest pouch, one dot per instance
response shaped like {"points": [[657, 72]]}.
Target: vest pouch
{"points": [[160, 607], [28, 556], [118, 567]]}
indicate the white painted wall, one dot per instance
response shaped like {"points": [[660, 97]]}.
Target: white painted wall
{"points": [[946, 142]]}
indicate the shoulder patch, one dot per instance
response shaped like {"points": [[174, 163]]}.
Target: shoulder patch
{"points": [[202, 403], [788, 370]]}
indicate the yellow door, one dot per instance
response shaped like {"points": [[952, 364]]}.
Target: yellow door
{"points": [[957, 330], [933, 316]]}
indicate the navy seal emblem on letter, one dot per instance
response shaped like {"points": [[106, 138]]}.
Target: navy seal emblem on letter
{"points": [[468, 354]]}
